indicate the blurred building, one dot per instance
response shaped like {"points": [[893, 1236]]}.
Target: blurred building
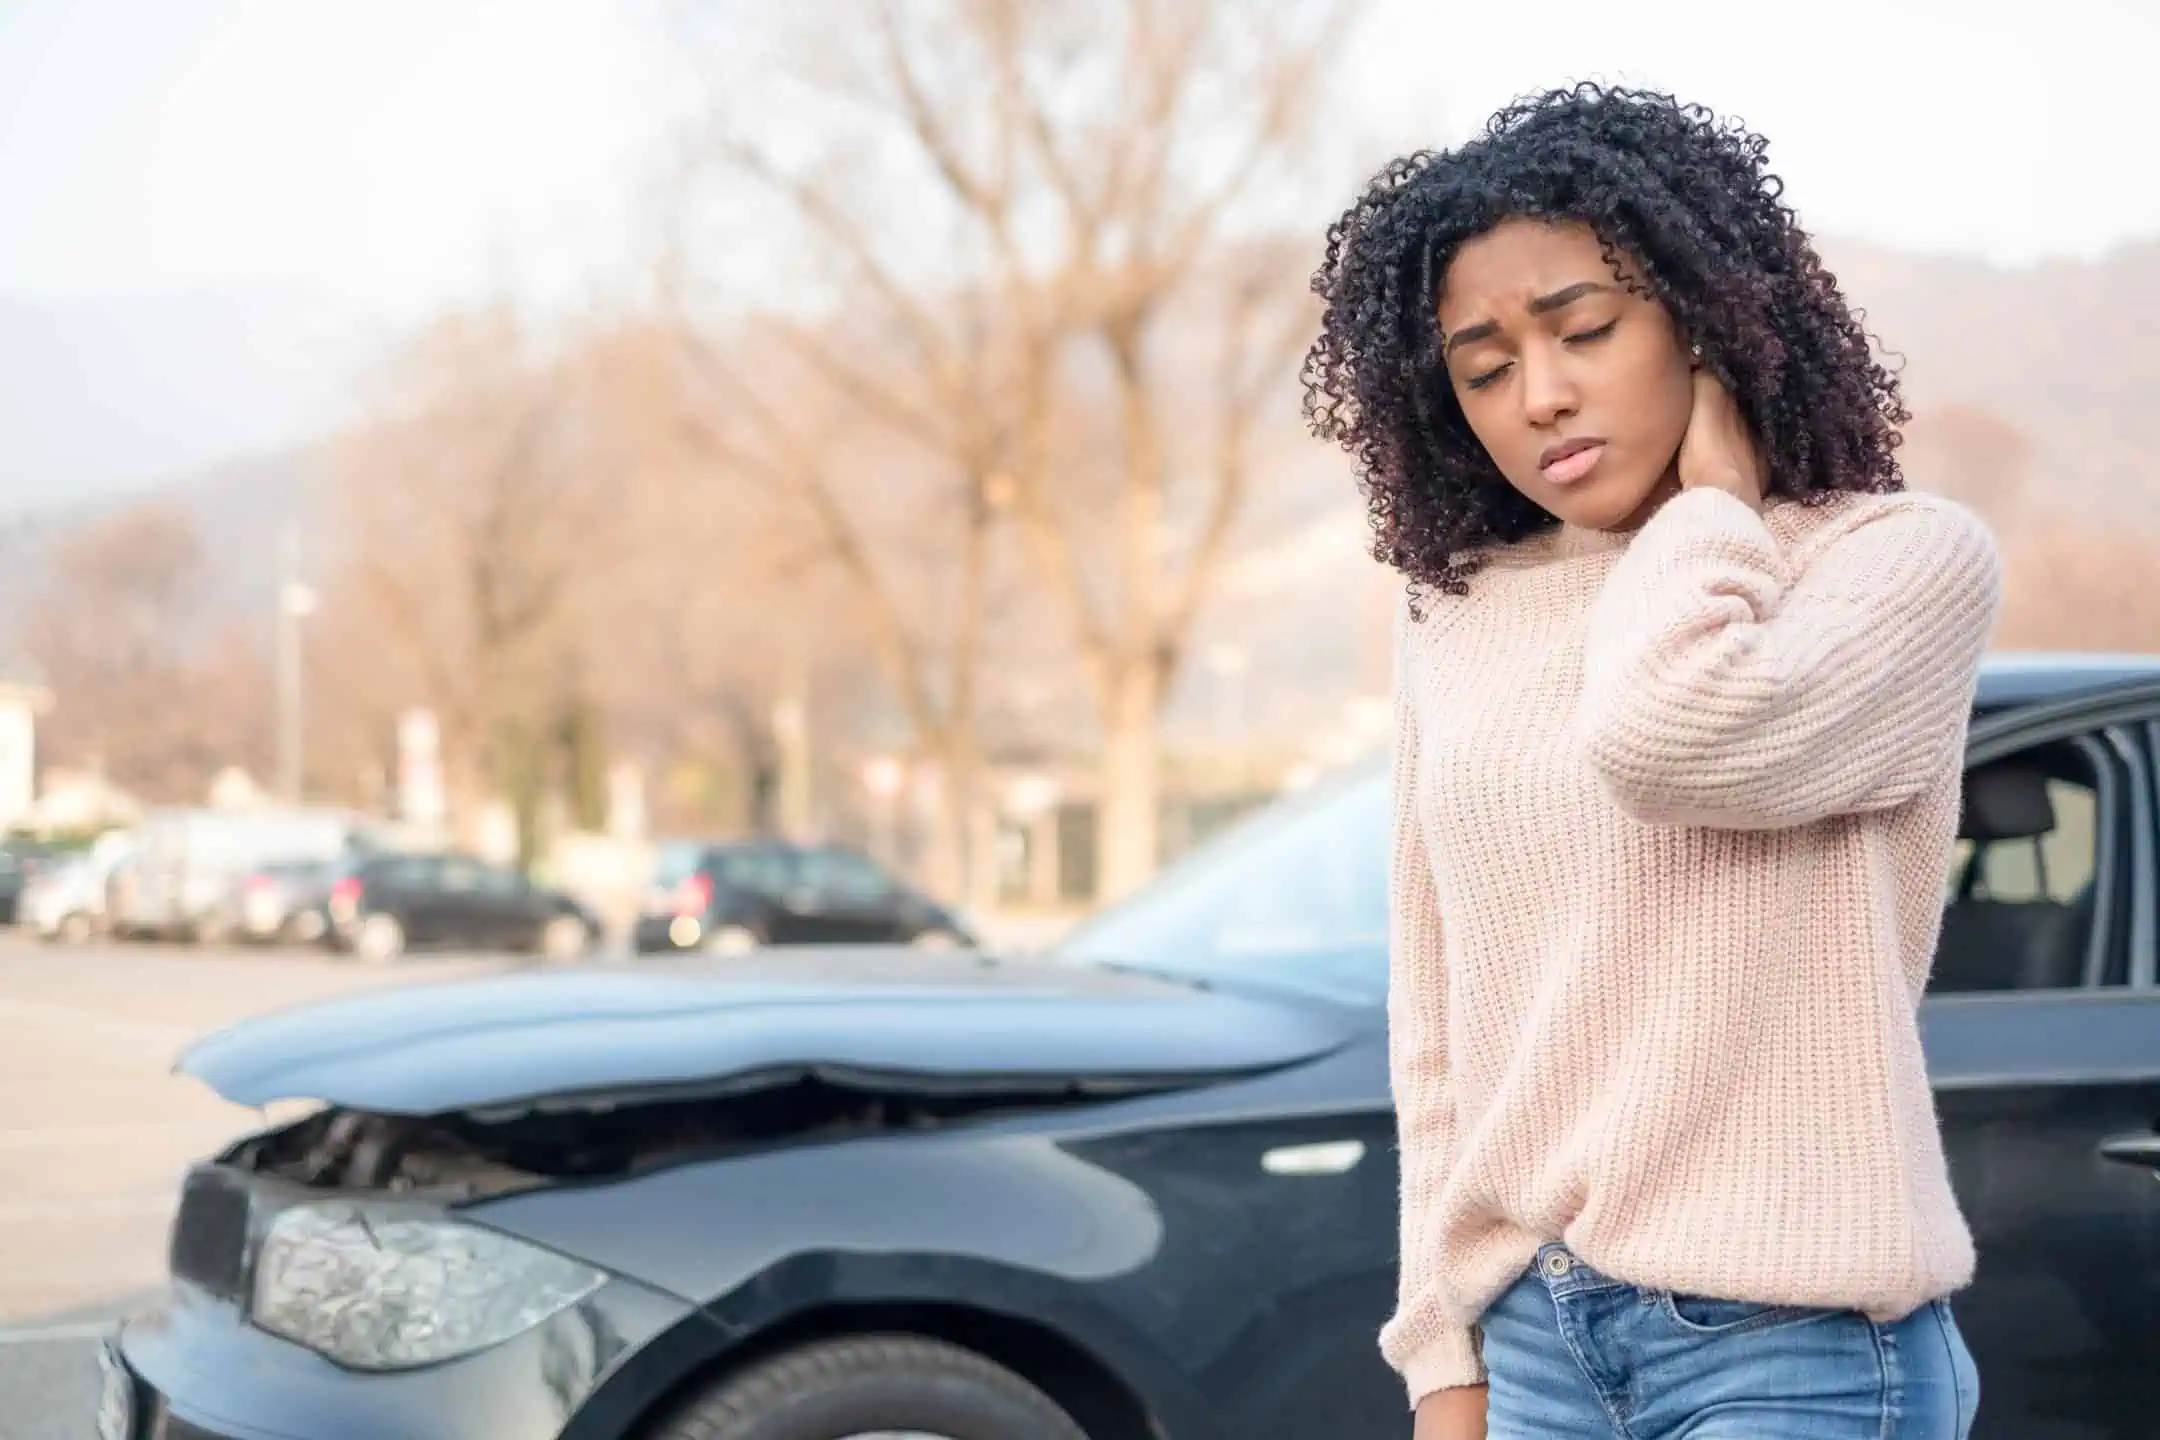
{"points": [[23, 698]]}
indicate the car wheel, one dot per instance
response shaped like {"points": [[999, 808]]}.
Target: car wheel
{"points": [[379, 940], [872, 1386], [937, 939], [733, 940], [565, 938], [74, 929]]}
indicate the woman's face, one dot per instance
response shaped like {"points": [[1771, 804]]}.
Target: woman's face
{"points": [[1578, 387]]}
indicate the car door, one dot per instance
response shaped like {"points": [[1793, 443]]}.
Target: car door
{"points": [[456, 904], [511, 910], [2043, 1038], [409, 887], [855, 902], [799, 889]]}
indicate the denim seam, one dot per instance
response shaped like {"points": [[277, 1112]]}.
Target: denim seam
{"points": [[1893, 1394], [1774, 1317], [1959, 1407], [1597, 1387]]}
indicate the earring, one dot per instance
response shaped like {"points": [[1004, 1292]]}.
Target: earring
{"points": [[1696, 351]]}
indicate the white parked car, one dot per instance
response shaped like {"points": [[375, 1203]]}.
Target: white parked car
{"points": [[67, 900]]}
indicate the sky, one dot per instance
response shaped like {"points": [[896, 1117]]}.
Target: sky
{"points": [[336, 165]]}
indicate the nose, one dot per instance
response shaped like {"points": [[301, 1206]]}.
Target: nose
{"points": [[1548, 391]]}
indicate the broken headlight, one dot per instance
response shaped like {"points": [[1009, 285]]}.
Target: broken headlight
{"points": [[383, 1289]]}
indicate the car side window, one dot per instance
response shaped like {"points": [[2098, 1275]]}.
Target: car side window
{"points": [[405, 872], [2024, 898], [498, 881], [757, 872], [845, 876], [460, 876]]}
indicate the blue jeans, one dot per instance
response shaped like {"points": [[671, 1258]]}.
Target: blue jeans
{"points": [[1573, 1355]]}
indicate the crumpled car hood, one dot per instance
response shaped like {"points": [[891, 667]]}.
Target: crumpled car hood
{"points": [[620, 1033]]}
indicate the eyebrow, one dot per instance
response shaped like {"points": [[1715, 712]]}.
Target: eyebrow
{"points": [[1542, 305]]}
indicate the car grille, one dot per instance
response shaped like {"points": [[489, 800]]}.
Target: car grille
{"points": [[210, 1234]]}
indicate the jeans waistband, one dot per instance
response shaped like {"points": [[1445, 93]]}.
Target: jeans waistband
{"points": [[1566, 1273]]}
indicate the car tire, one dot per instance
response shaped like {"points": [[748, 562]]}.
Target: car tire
{"points": [[872, 1385], [732, 940], [74, 929], [379, 940], [565, 938]]}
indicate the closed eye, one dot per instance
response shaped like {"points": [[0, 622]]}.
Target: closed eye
{"points": [[1479, 382], [1600, 333]]}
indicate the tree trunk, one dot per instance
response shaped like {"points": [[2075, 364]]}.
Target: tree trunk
{"points": [[1131, 779], [949, 866], [1130, 692]]}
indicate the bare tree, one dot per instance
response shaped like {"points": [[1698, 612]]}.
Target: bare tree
{"points": [[913, 550], [149, 686], [474, 520], [1080, 180]]}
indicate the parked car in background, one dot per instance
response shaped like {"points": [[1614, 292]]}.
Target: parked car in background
{"points": [[1143, 1186], [20, 861], [283, 901], [183, 880], [381, 905], [733, 898], [68, 899]]}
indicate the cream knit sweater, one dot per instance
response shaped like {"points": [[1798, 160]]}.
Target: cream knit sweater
{"points": [[1673, 819]]}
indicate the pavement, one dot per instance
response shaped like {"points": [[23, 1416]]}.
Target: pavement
{"points": [[95, 1131]]}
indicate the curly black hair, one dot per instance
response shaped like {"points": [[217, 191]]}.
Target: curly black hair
{"points": [[1682, 195]]}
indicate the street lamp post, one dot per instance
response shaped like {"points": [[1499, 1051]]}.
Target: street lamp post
{"points": [[295, 602]]}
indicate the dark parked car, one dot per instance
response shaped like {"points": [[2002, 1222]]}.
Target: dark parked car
{"points": [[20, 861], [1143, 1187], [734, 898], [283, 900], [380, 905]]}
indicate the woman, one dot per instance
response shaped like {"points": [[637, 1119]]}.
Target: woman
{"points": [[1683, 677]]}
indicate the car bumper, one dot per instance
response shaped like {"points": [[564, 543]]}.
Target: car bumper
{"points": [[195, 1370], [659, 933]]}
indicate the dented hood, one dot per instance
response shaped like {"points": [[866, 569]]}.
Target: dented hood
{"points": [[588, 1036]]}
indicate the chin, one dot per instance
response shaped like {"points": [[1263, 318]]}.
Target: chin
{"points": [[1596, 507]]}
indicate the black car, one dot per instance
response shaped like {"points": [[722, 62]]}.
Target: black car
{"points": [[734, 898], [1143, 1187], [380, 905]]}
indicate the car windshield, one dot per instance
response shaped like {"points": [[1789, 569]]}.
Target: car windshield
{"points": [[1295, 895]]}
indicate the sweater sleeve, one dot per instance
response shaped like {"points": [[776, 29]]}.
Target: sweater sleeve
{"points": [[1421, 1340], [1725, 686]]}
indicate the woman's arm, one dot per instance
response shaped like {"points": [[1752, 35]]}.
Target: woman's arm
{"points": [[1432, 1352], [1724, 688]]}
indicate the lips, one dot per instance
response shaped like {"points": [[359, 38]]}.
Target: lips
{"points": [[1570, 460]]}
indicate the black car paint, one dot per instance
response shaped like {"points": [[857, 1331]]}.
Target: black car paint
{"points": [[509, 917], [1181, 1250]]}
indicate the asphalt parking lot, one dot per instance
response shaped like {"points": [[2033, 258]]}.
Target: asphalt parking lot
{"points": [[95, 1130]]}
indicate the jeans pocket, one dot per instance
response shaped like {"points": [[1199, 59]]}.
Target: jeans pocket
{"points": [[1707, 1317]]}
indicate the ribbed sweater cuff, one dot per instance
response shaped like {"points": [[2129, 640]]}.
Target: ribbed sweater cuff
{"points": [[1450, 1359]]}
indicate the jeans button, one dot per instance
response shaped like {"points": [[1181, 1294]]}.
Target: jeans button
{"points": [[1559, 1263]]}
